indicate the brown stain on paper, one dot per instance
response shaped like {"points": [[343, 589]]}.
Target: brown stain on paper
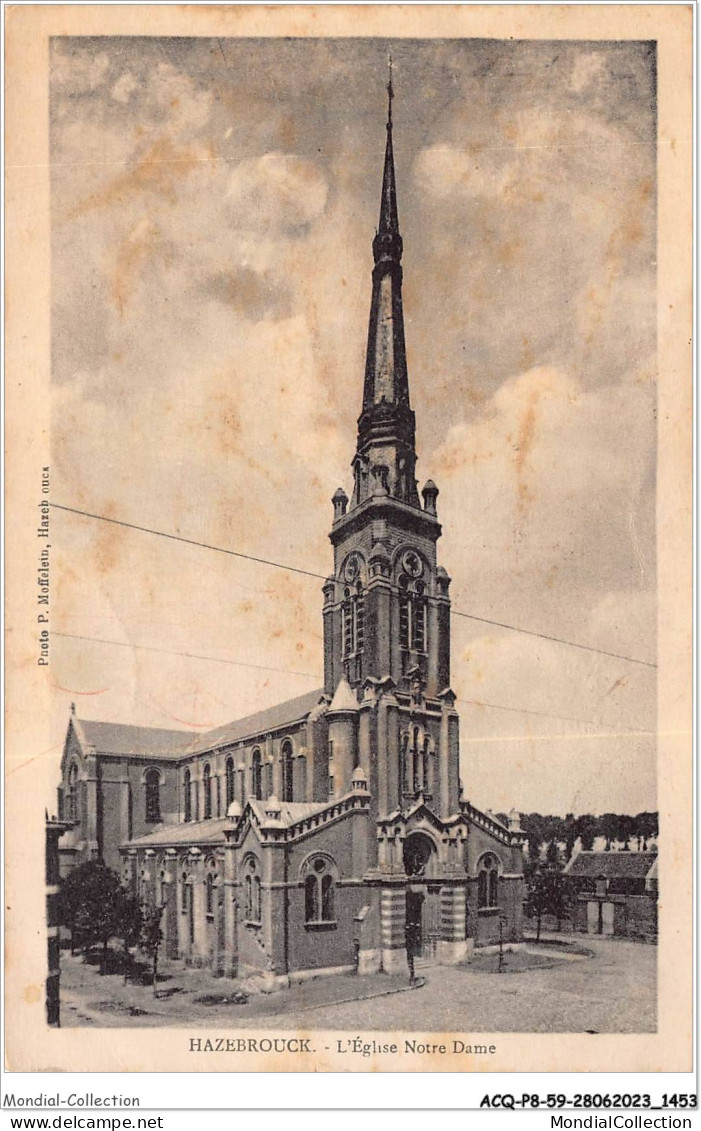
{"points": [[156, 170]]}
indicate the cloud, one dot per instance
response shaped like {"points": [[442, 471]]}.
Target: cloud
{"points": [[81, 73], [588, 68], [277, 193], [124, 87], [544, 486]]}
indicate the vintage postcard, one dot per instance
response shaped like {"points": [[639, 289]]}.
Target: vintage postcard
{"points": [[348, 538]]}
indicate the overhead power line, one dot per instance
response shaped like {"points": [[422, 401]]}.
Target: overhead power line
{"points": [[190, 655], [314, 676], [188, 541], [555, 639], [322, 577]]}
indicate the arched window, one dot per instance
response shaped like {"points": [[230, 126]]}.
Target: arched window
{"points": [[72, 813], [488, 882], [210, 887], [152, 783], [207, 789], [286, 756], [415, 770], [353, 629], [252, 891], [319, 891], [256, 775], [187, 794], [230, 781], [413, 631], [183, 893]]}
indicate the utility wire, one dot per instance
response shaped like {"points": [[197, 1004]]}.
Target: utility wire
{"points": [[544, 714], [322, 577], [173, 652], [556, 639], [188, 541], [314, 676]]}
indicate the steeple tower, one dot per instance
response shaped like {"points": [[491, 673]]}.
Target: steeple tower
{"points": [[386, 454], [386, 605]]}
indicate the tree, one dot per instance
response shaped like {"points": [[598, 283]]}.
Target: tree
{"points": [[548, 894], [646, 826], [536, 905], [92, 906], [532, 824], [585, 826], [151, 937], [552, 856], [626, 830], [570, 831], [560, 891], [608, 828], [130, 924]]}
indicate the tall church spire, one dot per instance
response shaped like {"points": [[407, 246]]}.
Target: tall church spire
{"points": [[385, 459]]}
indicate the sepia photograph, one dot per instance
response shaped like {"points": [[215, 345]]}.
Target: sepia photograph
{"points": [[347, 551]]}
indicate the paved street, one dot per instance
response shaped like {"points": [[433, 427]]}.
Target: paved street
{"points": [[612, 992]]}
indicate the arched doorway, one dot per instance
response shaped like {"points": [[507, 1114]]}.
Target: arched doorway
{"points": [[422, 897]]}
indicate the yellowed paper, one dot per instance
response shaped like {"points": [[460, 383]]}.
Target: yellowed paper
{"points": [[192, 196]]}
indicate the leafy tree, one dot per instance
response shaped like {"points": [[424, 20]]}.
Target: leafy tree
{"points": [[570, 835], [552, 856], [585, 827], [130, 920], [151, 937], [536, 904], [560, 891], [646, 826], [548, 893], [533, 826], [626, 830], [92, 906], [608, 828]]}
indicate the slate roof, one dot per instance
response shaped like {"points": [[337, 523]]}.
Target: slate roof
{"points": [[290, 811], [269, 719], [212, 831], [185, 832], [612, 865], [144, 742], [154, 742]]}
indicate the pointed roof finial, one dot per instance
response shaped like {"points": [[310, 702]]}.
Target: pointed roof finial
{"points": [[390, 94]]}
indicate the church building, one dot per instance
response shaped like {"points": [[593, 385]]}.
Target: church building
{"points": [[322, 834]]}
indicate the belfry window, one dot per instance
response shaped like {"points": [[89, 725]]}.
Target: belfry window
{"points": [[412, 615], [416, 772], [488, 882], [207, 791], [353, 614], [152, 784], [319, 892], [256, 775], [187, 795], [287, 771]]}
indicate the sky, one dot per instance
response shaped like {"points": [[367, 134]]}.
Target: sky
{"points": [[213, 208]]}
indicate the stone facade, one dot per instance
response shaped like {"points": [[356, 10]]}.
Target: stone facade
{"points": [[330, 832]]}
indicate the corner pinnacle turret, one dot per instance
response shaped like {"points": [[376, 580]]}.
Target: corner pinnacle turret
{"points": [[386, 457]]}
